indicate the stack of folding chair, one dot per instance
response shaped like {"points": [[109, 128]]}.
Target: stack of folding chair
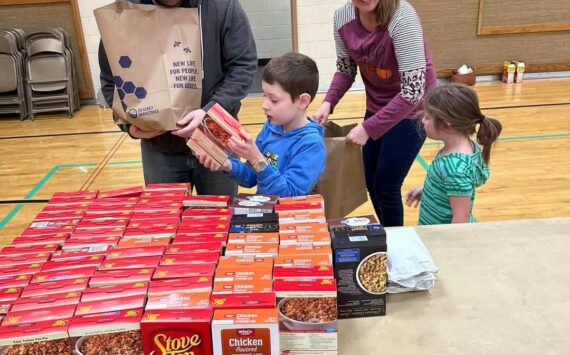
{"points": [[50, 73], [12, 69]]}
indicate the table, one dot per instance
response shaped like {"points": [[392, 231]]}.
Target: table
{"points": [[504, 288]]}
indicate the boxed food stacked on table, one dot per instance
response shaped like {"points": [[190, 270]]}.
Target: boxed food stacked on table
{"points": [[360, 265], [304, 279]]}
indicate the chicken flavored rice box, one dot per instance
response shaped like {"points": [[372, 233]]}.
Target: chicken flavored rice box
{"points": [[243, 300]]}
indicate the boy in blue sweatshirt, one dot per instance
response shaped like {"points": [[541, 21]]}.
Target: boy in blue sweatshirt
{"points": [[289, 153]]}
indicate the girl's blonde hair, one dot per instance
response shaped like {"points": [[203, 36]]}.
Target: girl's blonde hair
{"points": [[385, 10], [457, 106]]}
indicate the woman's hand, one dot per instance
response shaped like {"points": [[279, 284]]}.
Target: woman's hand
{"points": [[414, 196], [322, 114], [357, 135]]}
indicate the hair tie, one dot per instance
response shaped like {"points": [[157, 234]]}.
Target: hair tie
{"points": [[481, 119]]}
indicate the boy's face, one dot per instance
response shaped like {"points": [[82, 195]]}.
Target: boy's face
{"points": [[278, 106]]}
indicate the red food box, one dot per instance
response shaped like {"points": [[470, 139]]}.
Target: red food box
{"points": [[54, 223], [107, 207], [13, 250], [182, 285], [163, 193], [130, 263], [213, 247], [157, 207], [99, 216], [14, 260], [51, 232], [93, 260], [49, 208], [134, 252], [297, 272], [151, 231], [54, 300], [38, 315], [79, 254], [18, 270], [195, 300], [50, 336], [154, 215], [194, 238], [110, 305], [105, 292], [209, 220], [82, 243], [177, 332], [206, 212], [42, 239], [80, 195], [175, 186], [189, 259], [302, 217], [60, 275], [253, 238], [113, 277], [202, 227], [125, 192], [206, 201], [245, 262], [243, 300], [180, 271], [15, 281], [10, 294], [104, 333], [162, 199], [143, 242], [101, 223], [49, 216], [48, 288], [155, 222], [111, 232]]}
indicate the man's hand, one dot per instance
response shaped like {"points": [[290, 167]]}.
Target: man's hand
{"points": [[189, 123], [357, 135], [212, 165], [414, 196], [136, 132], [322, 114], [246, 148]]}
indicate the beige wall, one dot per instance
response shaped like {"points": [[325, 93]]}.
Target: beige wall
{"points": [[451, 29]]}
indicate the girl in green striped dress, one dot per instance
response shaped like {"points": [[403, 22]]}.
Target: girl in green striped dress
{"points": [[452, 115]]}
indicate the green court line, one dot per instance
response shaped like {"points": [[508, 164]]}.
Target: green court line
{"points": [[55, 168], [46, 178]]}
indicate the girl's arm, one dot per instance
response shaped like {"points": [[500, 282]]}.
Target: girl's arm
{"points": [[461, 208]]}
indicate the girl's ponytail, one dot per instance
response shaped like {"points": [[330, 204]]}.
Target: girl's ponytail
{"points": [[489, 131]]}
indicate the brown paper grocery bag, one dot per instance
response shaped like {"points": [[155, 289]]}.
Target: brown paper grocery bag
{"points": [[342, 184], [155, 56]]}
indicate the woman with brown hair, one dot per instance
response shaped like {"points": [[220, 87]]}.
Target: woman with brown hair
{"points": [[384, 40], [452, 115]]}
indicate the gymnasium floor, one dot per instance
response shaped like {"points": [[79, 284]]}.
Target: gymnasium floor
{"points": [[530, 166]]}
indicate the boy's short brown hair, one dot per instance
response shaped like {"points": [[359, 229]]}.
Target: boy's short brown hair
{"points": [[295, 72]]}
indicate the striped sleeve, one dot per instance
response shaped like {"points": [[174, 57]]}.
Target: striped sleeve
{"points": [[457, 180], [408, 38], [344, 62]]}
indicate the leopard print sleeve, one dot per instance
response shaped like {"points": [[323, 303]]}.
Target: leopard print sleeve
{"points": [[413, 85], [346, 66]]}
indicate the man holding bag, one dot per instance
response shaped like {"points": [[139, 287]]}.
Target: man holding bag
{"points": [[229, 63]]}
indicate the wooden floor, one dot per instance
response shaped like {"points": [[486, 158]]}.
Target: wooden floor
{"points": [[530, 165]]}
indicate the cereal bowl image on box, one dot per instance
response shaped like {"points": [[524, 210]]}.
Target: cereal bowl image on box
{"points": [[308, 314], [371, 273]]}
